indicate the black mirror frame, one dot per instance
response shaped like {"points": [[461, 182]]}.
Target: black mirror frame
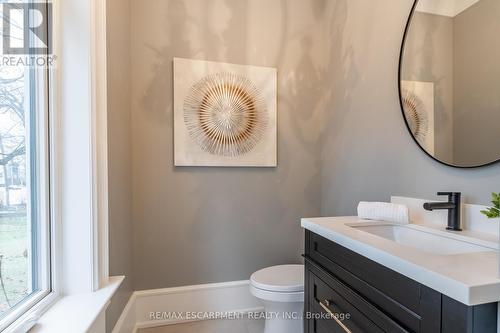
{"points": [[401, 54]]}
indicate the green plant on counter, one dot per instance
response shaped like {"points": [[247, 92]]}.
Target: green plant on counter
{"points": [[493, 212]]}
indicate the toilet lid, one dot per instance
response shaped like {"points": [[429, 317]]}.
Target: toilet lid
{"points": [[284, 278]]}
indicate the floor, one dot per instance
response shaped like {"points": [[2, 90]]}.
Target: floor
{"points": [[211, 326]]}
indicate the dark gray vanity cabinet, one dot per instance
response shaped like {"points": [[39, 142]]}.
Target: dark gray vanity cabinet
{"points": [[365, 296]]}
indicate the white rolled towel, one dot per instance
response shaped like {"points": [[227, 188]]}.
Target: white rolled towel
{"points": [[384, 211]]}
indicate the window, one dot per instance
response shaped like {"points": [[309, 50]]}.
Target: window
{"points": [[25, 219]]}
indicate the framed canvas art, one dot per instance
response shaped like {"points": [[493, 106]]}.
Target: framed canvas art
{"points": [[224, 114], [418, 105]]}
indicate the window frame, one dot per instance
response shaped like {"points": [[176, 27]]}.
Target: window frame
{"points": [[26, 314], [79, 251]]}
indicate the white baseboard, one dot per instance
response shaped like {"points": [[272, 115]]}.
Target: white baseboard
{"points": [[184, 304]]}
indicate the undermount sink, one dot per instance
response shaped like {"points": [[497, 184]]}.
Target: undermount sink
{"points": [[422, 240]]}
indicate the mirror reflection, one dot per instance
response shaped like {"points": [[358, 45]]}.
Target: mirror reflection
{"points": [[450, 80]]}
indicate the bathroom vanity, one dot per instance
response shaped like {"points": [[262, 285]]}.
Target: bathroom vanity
{"points": [[380, 277]]}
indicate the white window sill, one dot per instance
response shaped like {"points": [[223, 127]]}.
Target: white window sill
{"points": [[77, 313]]}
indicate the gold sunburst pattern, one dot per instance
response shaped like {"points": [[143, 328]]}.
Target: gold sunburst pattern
{"points": [[415, 115], [225, 114]]}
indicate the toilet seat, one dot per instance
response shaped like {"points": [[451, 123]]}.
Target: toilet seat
{"points": [[279, 279], [274, 296]]}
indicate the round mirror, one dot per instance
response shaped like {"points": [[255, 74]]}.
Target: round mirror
{"points": [[450, 80]]}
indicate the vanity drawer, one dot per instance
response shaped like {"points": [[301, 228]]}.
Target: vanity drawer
{"points": [[413, 306], [359, 316], [356, 324], [378, 296], [344, 263]]}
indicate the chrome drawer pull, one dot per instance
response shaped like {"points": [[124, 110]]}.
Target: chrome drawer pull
{"points": [[326, 306]]}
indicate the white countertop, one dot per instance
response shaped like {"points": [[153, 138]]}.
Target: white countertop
{"points": [[470, 278]]}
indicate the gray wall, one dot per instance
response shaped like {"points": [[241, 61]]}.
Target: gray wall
{"points": [[367, 151], [477, 83], [201, 225], [119, 154], [429, 58], [342, 137]]}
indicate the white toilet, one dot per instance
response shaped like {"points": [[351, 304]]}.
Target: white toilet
{"points": [[281, 291]]}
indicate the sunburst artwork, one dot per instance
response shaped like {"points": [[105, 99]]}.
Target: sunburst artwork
{"points": [[418, 105], [416, 115], [224, 114]]}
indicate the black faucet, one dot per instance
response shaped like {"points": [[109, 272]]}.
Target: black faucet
{"points": [[453, 207]]}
